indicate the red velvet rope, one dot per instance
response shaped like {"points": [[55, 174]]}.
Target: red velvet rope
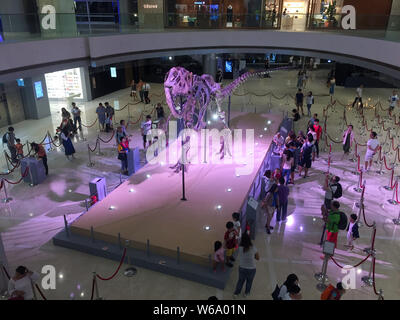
{"points": [[95, 147], [22, 177], [93, 282], [365, 220], [40, 292], [355, 266], [116, 271], [89, 126], [107, 140]]}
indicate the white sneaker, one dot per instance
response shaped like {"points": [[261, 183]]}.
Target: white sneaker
{"points": [[235, 296], [244, 295]]}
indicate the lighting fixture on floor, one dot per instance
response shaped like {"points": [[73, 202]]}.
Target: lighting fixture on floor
{"points": [[229, 190], [131, 190], [207, 228], [148, 176], [111, 208]]}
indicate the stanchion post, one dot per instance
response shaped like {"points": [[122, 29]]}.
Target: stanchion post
{"points": [[321, 276], [371, 250], [90, 163], [389, 186], [358, 189], [130, 271], [86, 205], [119, 241], [99, 152], [368, 280], [7, 199], [392, 201], [96, 288]]}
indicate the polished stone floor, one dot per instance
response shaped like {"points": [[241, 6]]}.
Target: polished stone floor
{"points": [[28, 223]]}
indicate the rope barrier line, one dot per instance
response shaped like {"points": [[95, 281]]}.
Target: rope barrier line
{"points": [[365, 220], [6, 272], [355, 266], [89, 126], [116, 271], [22, 177], [112, 136], [95, 147], [40, 292]]}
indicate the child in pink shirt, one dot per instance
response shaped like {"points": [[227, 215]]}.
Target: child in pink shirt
{"points": [[219, 256]]}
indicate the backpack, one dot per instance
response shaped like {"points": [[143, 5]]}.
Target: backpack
{"points": [[275, 293], [5, 138], [343, 221], [327, 292], [339, 191]]}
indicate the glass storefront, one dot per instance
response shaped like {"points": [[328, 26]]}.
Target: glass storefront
{"points": [[291, 15]]}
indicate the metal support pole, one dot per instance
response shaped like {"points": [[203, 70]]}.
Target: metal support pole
{"points": [[130, 271], [389, 186], [96, 288], [321, 276], [66, 226], [183, 168], [368, 280], [392, 201], [371, 250], [86, 205], [358, 189], [7, 199], [99, 152], [178, 255], [119, 241], [90, 163]]}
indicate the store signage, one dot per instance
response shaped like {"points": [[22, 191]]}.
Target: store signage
{"points": [[349, 21], [49, 20], [38, 89], [63, 84], [150, 6]]}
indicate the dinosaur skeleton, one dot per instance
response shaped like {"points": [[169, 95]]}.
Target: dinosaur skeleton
{"points": [[189, 96]]}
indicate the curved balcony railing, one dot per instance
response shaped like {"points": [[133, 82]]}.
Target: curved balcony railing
{"points": [[18, 27]]}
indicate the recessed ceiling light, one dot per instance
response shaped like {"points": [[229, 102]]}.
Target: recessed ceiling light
{"points": [[229, 189]]}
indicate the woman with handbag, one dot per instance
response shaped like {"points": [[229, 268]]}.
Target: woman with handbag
{"points": [[270, 204], [123, 148]]}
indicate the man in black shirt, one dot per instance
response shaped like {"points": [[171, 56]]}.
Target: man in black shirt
{"points": [[299, 100]]}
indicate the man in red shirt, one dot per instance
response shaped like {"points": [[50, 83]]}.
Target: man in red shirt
{"points": [[230, 241], [318, 130]]}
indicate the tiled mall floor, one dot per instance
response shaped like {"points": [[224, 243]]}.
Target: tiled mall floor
{"points": [[28, 223]]}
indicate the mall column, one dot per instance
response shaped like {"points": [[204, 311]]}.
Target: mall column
{"points": [[210, 64], [34, 98]]}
